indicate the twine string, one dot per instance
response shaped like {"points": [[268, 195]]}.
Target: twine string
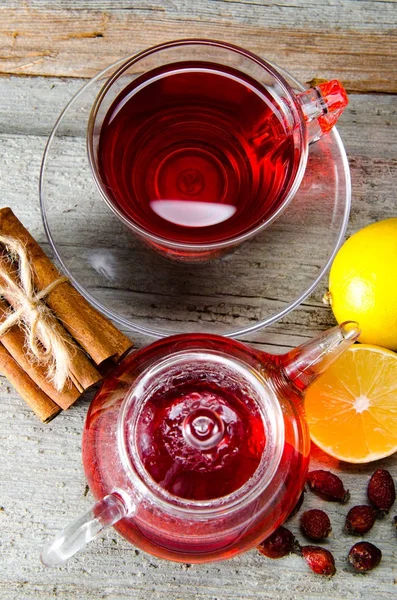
{"points": [[44, 340]]}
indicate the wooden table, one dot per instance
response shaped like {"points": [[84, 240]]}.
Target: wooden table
{"points": [[48, 49]]}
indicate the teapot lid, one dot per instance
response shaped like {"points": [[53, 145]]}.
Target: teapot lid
{"points": [[199, 429]]}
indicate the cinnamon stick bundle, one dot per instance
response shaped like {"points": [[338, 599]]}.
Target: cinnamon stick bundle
{"points": [[14, 342], [83, 373], [95, 334], [90, 336], [38, 401]]}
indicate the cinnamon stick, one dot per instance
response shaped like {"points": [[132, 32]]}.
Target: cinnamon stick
{"points": [[38, 401], [95, 334], [14, 341], [82, 371]]}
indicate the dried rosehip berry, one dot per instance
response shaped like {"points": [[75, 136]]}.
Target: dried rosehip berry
{"points": [[364, 556], [328, 486], [360, 519], [319, 560], [315, 524], [278, 544], [381, 490], [297, 506]]}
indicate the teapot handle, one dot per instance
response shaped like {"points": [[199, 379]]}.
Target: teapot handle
{"points": [[322, 106], [85, 528]]}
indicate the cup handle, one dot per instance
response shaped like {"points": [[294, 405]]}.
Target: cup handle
{"points": [[322, 106], [85, 528]]}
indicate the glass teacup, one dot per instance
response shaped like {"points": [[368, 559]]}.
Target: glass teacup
{"points": [[198, 145]]}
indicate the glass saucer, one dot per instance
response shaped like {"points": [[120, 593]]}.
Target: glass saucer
{"points": [[256, 285]]}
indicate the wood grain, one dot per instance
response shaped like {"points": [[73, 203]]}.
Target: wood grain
{"points": [[355, 41], [42, 481], [367, 128], [43, 485]]}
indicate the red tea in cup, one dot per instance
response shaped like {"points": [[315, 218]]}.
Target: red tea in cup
{"points": [[196, 153], [197, 145]]}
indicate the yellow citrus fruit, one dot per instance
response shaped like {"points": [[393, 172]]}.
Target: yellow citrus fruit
{"points": [[363, 283], [352, 408]]}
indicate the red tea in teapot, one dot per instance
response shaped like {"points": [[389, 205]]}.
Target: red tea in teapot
{"points": [[196, 447], [199, 441], [197, 429], [196, 153]]}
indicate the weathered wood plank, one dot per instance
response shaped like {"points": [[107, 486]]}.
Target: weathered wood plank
{"points": [[354, 41], [43, 488], [371, 14], [31, 105], [42, 482], [230, 297], [230, 292]]}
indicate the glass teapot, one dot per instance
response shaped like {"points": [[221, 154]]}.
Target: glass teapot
{"points": [[196, 446]]}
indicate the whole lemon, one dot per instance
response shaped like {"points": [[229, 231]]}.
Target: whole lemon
{"points": [[363, 283]]}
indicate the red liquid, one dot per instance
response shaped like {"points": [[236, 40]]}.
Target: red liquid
{"points": [[196, 153], [186, 471]]}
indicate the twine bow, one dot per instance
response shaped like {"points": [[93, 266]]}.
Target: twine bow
{"points": [[43, 339]]}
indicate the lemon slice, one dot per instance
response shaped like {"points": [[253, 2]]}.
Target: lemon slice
{"points": [[352, 408]]}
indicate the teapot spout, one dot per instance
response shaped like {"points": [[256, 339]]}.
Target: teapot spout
{"points": [[304, 364]]}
